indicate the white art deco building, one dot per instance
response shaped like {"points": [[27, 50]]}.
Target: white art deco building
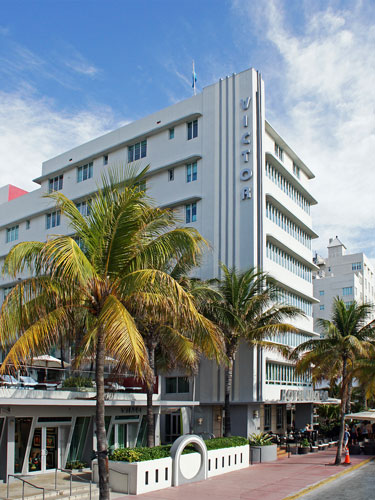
{"points": [[216, 160], [349, 276]]}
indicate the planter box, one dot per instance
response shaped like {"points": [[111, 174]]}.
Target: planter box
{"points": [[227, 459], [369, 449], [354, 449], [141, 477], [303, 450], [264, 453], [152, 475]]}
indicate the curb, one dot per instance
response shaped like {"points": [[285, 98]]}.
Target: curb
{"points": [[315, 486]]}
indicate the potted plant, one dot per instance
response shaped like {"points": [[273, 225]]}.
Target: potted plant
{"points": [[304, 447], [75, 465], [266, 449]]}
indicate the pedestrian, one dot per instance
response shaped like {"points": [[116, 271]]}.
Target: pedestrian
{"points": [[364, 431], [346, 437], [369, 430], [353, 434]]}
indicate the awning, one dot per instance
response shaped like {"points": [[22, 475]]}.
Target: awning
{"points": [[361, 415]]}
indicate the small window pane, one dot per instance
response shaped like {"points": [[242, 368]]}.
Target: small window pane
{"points": [[193, 212], [183, 384], [171, 385]]}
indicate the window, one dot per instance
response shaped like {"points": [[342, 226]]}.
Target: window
{"points": [[287, 225], [105, 160], [55, 184], [267, 417], [190, 213], [171, 174], [278, 374], [192, 129], [171, 133], [296, 170], [349, 303], [137, 151], [53, 219], [348, 290], [279, 416], [141, 186], [12, 234], [84, 207], [191, 172], [85, 172], [356, 266], [287, 187], [27, 224], [284, 259], [321, 307], [279, 152], [321, 292], [6, 291], [174, 385]]}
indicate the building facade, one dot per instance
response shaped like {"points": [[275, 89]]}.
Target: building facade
{"points": [[349, 276], [222, 167]]}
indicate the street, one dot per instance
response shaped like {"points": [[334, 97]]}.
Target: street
{"points": [[357, 485]]}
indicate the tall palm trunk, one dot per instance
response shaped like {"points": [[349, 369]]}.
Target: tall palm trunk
{"points": [[344, 398], [228, 387], [151, 346], [349, 400], [100, 421]]}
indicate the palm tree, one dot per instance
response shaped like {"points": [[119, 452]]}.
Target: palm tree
{"points": [[364, 371], [347, 337], [246, 308], [169, 344], [113, 261]]}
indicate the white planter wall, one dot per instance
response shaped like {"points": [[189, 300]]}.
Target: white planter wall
{"points": [[227, 460], [143, 477], [153, 475]]}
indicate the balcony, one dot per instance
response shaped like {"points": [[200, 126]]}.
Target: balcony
{"points": [[32, 381]]}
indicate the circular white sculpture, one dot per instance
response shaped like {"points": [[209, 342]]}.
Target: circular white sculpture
{"points": [[177, 448]]}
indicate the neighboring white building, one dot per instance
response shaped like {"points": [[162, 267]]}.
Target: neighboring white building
{"points": [[217, 161], [351, 277]]}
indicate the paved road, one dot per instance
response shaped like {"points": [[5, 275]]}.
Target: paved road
{"points": [[356, 485]]}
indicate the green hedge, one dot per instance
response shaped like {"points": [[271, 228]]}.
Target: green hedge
{"points": [[77, 381], [143, 454]]}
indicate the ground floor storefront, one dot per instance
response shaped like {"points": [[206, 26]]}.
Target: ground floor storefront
{"points": [[39, 436]]}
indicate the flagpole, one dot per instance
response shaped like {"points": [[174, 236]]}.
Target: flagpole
{"points": [[194, 88]]}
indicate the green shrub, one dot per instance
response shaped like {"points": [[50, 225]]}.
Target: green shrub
{"points": [[140, 454], [217, 443], [305, 443], [77, 381], [75, 464], [163, 451], [261, 439]]}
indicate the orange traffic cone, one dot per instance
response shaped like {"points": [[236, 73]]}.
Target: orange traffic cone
{"points": [[347, 457]]}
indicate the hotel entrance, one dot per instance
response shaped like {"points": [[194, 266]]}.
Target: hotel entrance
{"points": [[44, 449]]}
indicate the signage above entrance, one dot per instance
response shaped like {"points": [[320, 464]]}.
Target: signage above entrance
{"points": [[290, 395]]}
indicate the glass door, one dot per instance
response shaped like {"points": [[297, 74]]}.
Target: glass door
{"points": [[44, 449], [35, 457], [51, 447]]}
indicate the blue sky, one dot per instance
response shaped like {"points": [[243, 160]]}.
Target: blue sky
{"points": [[71, 70]]}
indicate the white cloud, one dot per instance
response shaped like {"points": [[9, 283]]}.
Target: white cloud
{"points": [[326, 75], [32, 131], [79, 64]]}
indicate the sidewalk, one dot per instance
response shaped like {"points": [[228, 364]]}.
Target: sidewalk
{"points": [[269, 481]]}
